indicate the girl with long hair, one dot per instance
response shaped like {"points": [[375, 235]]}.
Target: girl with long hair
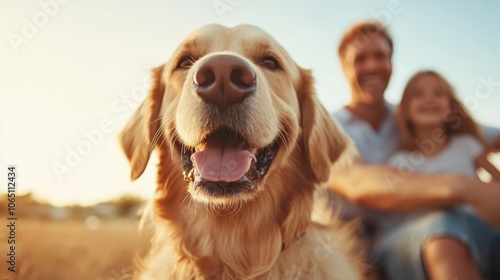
{"points": [[438, 136]]}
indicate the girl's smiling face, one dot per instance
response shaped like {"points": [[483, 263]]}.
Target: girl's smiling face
{"points": [[429, 104]]}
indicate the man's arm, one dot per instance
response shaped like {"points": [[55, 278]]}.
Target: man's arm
{"points": [[484, 200], [390, 189]]}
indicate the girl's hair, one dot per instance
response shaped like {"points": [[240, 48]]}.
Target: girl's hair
{"points": [[458, 120]]}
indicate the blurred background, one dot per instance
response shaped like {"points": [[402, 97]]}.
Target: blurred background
{"points": [[72, 73]]}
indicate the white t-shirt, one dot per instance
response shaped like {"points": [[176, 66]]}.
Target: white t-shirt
{"points": [[373, 146], [457, 157], [378, 146]]}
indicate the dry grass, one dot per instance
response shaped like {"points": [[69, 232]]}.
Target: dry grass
{"points": [[58, 250]]}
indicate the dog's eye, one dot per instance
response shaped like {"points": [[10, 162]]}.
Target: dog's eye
{"points": [[185, 63], [269, 63]]}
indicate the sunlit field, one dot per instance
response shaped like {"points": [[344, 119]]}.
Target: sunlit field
{"points": [[74, 250]]}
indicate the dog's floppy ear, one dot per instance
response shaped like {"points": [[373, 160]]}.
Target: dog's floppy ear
{"points": [[137, 136], [323, 140]]}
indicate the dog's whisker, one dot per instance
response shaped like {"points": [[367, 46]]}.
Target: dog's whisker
{"points": [[173, 141], [207, 210], [192, 59], [214, 210], [287, 138], [156, 134], [158, 119], [162, 141], [156, 137], [195, 204], [159, 132], [187, 195], [282, 128], [171, 144], [141, 130], [291, 144], [237, 208], [283, 140]]}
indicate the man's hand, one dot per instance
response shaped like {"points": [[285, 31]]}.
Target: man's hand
{"points": [[484, 199], [390, 189]]}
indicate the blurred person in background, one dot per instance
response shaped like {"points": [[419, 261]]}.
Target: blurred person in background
{"points": [[365, 190], [429, 109]]}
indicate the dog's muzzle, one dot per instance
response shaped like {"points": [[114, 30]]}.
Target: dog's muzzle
{"points": [[224, 163]]}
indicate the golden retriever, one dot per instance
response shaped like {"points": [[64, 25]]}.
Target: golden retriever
{"points": [[243, 144]]}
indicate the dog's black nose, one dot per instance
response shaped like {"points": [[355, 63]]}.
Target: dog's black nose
{"points": [[224, 80]]}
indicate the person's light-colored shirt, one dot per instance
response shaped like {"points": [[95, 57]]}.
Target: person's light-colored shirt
{"points": [[457, 157], [373, 146], [377, 146]]}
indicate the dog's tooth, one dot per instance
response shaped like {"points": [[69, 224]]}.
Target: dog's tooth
{"points": [[186, 176], [252, 173], [189, 177]]}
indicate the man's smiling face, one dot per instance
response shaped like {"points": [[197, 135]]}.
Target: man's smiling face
{"points": [[368, 68]]}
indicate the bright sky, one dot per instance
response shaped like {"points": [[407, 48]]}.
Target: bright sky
{"points": [[68, 67]]}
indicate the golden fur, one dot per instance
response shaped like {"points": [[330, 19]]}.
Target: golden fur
{"points": [[267, 234]]}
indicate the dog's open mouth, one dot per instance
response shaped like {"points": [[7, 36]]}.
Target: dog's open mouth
{"points": [[224, 164]]}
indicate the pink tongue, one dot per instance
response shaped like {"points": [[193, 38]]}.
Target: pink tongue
{"points": [[218, 163]]}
